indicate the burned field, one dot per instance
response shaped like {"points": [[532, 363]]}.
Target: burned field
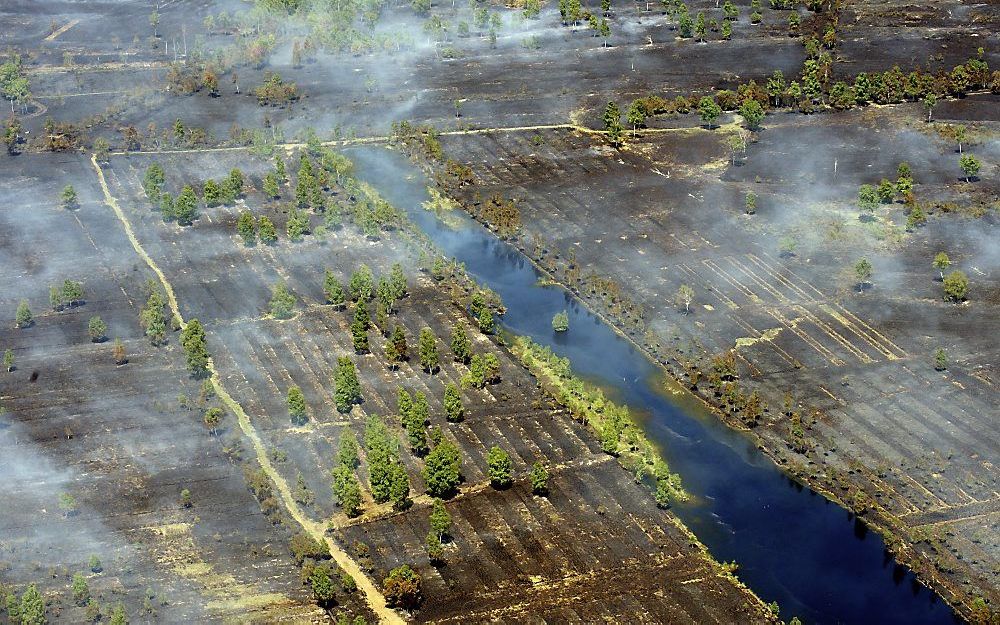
{"points": [[253, 487], [96, 454], [854, 403], [510, 554]]}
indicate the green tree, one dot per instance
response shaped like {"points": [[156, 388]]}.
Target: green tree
{"points": [[211, 193], [460, 345], [863, 271], [333, 291], [359, 329], [347, 490], [684, 22], [700, 27], [298, 225], [185, 498], [941, 262], [271, 186], [613, 123], [81, 589], [31, 611], [940, 360], [427, 347], [268, 233], [347, 453], [322, 586], [186, 206], [970, 166], [195, 348], [23, 317], [362, 285], [439, 519], [97, 329], [635, 115], [246, 228], [442, 470], [402, 588], [69, 197], [415, 419], [539, 478], [118, 616], [752, 113], [297, 406], [709, 111], [347, 388], [282, 303], [750, 203], [868, 200], [8, 360], [397, 281], [453, 408], [560, 321], [500, 468], [485, 320], [234, 183], [213, 417], [956, 286]]}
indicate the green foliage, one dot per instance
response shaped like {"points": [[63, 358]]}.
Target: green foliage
{"points": [[195, 348], [863, 270], [118, 615], [387, 477], [868, 198], [213, 417], [268, 233], [347, 454], [427, 346], [362, 285], [211, 193], [347, 388], [69, 198], [752, 113], [500, 468], [709, 111], [460, 345], [970, 166], [485, 320], [297, 225], [359, 329], [415, 419], [440, 520], [322, 587], [347, 490], [23, 317], [560, 321], [539, 478], [186, 206], [453, 408], [940, 360], [941, 262], [297, 406], [246, 228], [32, 607], [333, 291], [81, 589], [402, 588], [442, 470], [151, 318], [613, 123], [282, 303], [956, 286]]}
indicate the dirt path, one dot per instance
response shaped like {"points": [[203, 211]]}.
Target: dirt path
{"points": [[317, 530]]}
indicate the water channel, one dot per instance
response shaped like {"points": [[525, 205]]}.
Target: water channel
{"points": [[792, 545]]}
